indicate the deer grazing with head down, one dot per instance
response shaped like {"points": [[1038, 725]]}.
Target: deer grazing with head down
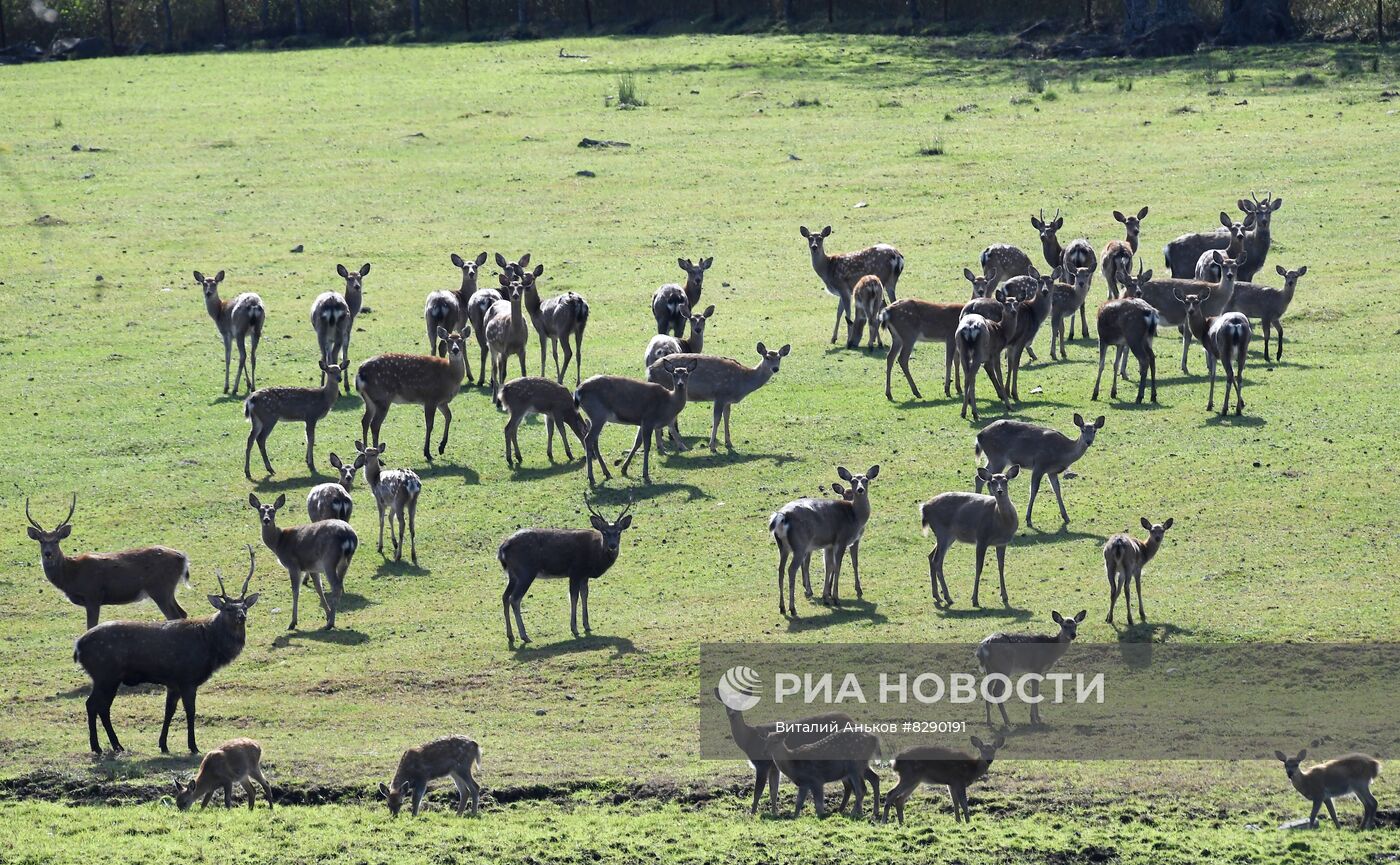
{"points": [[237, 761], [841, 756], [332, 501], [94, 580], [935, 764], [1078, 254], [455, 757], [1344, 776], [181, 655], [718, 380], [578, 555], [239, 319], [429, 381], [1226, 339], [522, 397], [1128, 323], [1045, 451], [1183, 253], [802, 527], [1268, 304], [1123, 559], [986, 521], [649, 407], [324, 547], [840, 273], [448, 309], [1017, 655], [671, 303], [1117, 255], [868, 298], [265, 407], [395, 490]]}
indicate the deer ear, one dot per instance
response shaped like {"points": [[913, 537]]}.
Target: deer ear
{"points": [[983, 475], [335, 460], [1168, 523], [62, 532], [219, 277], [383, 790], [1079, 616], [873, 472], [281, 500], [501, 260], [762, 350], [1144, 278], [1225, 219], [978, 743], [623, 523], [1302, 755], [1118, 215], [1281, 757], [457, 260], [364, 269], [999, 742], [1146, 523], [1278, 202], [783, 352], [249, 601], [1099, 421], [843, 473], [1078, 419], [1302, 271], [1279, 269], [1142, 214], [442, 332], [216, 601], [967, 274], [705, 264], [253, 501], [802, 230], [683, 263], [826, 232], [481, 259], [198, 277], [1216, 257], [1245, 205], [1037, 224], [709, 310], [598, 523], [1058, 224], [505, 281], [1056, 617], [538, 271], [340, 269], [359, 446], [1013, 472], [360, 461]]}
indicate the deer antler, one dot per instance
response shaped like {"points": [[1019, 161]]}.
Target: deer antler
{"points": [[588, 504], [32, 521], [243, 593], [624, 510], [1057, 213], [71, 507], [219, 575]]}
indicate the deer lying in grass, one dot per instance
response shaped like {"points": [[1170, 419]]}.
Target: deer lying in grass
{"points": [[1344, 776], [430, 381], [840, 273], [181, 655], [526, 396], [1123, 559], [1183, 253], [1226, 339], [579, 555], [1118, 255], [911, 322], [319, 548], [237, 319], [804, 526], [448, 309], [397, 491], [1001, 261], [986, 521], [934, 764], [456, 757], [237, 761], [671, 303], [94, 580], [649, 407], [1077, 255], [1268, 304], [868, 299], [843, 756], [1128, 323], [332, 501], [663, 344], [717, 380], [1016, 655], [265, 407], [1042, 450]]}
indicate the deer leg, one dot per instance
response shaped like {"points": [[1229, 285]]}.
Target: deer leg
{"points": [[1103, 352], [248, 450], [833, 575], [380, 506], [1035, 704], [1036, 475], [855, 567], [573, 606], [263, 782], [1185, 346], [568, 357], [782, 563], [262, 445], [242, 363], [520, 356], [806, 571], [296, 596], [228, 356], [1083, 323], [1001, 574], [1278, 355], [578, 356], [977, 580], [398, 542], [840, 307], [1239, 380], [1055, 485], [759, 781], [714, 428], [792, 586], [1110, 572], [419, 790], [1332, 812], [481, 367], [549, 440], [728, 443], [889, 364], [187, 698], [1210, 402], [642, 433], [172, 697], [587, 628], [1001, 707], [253, 360], [511, 426], [99, 704], [554, 349], [446, 427], [543, 367], [311, 446], [1126, 586], [1137, 580], [515, 608], [505, 607], [564, 437]]}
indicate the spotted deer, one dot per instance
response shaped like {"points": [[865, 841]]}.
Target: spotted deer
{"points": [[1123, 559], [522, 397], [238, 319], [802, 527], [266, 406], [1066, 297], [840, 273], [330, 319], [671, 303], [717, 380], [1165, 293], [935, 764], [842, 756], [324, 547], [986, 521], [1031, 313], [395, 490], [332, 501], [455, 757], [1349, 775], [428, 381], [478, 305], [1117, 255], [1001, 261], [1017, 655], [237, 761]]}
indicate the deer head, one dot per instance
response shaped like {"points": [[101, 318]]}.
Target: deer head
{"points": [[815, 240], [49, 540], [210, 285], [1131, 224], [610, 530], [1069, 625], [233, 612], [346, 471], [773, 359]]}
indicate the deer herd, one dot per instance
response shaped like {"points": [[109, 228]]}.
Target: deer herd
{"points": [[1210, 296]]}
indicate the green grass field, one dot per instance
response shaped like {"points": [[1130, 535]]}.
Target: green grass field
{"points": [[1285, 518]]}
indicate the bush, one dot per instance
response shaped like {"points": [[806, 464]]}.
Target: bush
{"points": [[1035, 80], [935, 148], [627, 91]]}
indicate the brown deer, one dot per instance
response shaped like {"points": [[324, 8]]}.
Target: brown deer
{"points": [[664, 344], [1065, 298], [1123, 559], [522, 397], [325, 547], [1128, 323], [649, 407], [1268, 304], [1226, 339], [934, 764], [237, 761], [354, 297], [1183, 253], [1043, 450], [1117, 255], [330, 319], [868, 298], [478, 305], [980, 343], [430, 381], [1165, 293], [94, 580], [1207, 268], [802, 527], [448, 309], [986, 521], [1016, 655], [1001, 261], [1078, 254], [1031, 313], [840, 273], [265, 407], [397, 491], [842, 756], [717, 380], [1344, 776], [506, 333], [239, 319], [910, 322], [671, 303], [456, 757], [579, 555], [181, 655], [332, 501], [556, 320]]}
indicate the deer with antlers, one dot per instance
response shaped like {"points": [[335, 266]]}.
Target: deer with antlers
{"points": [[238, 319], [95, 580], [1184, 253]]}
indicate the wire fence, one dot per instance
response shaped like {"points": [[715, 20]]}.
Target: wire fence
{"points": [[160, 25]]}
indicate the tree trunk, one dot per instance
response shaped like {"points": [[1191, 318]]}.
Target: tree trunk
{"points": [[265, 18], [169, 20], [111, 29], [914, 10], [299, 17], [223, 21], [349, 18], [1380, 23], [522, 16], [1156, 28], [588, 14], [788, 15], [467, 15], [1088, 14], [1250, 22], [415, 10], [4, 40]]}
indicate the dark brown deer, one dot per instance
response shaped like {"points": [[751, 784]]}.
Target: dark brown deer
{"points": [[718, 380], [239, 319], [980, 343], [265, 407], [934, 764], [841, 756], [94, 580], [910, 322], [578, 555], [1032, 312], [522, 397], [324, 547], [840, 273], [649, 407], [671, 304], [1128, 323], [1117, 255], [1045, 451], [180, 655], [429, 381]]}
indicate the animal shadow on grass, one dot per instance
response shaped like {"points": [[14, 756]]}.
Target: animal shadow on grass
{"points": [[282, 483], [348, 402], [1243, 420], [703, 459], [849, 611], [126, 766], [390, 568], [1038, 534], [641, 491], [546, 470], [1129, 403], [1146, 633], [570, 646], [339, 637], [470, 476], [986, 612]]}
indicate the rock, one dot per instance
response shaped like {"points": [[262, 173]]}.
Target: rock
{"points": [[593, 142], [584, 173], [298, 248]]}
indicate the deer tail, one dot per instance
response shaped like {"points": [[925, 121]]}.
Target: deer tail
{"points": [[248, 407]]}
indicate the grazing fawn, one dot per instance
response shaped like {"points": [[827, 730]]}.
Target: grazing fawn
{"points": [[1064, 300], [1349, 775], [1123, 560], [1001, 261], [505, 333], [237, 761], [397, 491], [530, 395], [1117, 255], [94, 580], [430, 381], [986, 521], [265, 407], [802, 527], [325, 547], [237, 319], [1226, 339], [842, 756], [1268, 304], [579, 555], [868, 297], [912, 321], [840, 273], [1078, 254], [1128, 323], [671, 303], [980, 343], [1016, 655], [1207, 268], [181, 655], [934, 764], [556, 320], [1183, 253], [332, 501], [456, 757], [649, 407], [718, 380], [448, 309], [1043, 450], [664, 344]]}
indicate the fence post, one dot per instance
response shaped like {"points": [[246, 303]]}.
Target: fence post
{"points": [[1380, 22], [111, 29], [223, 21], [1088, 14], [349, 18]]}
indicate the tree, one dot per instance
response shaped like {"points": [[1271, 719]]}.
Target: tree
{"points": [[300, 17], [1247, 22], [415, 9], [1155, 28]]}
